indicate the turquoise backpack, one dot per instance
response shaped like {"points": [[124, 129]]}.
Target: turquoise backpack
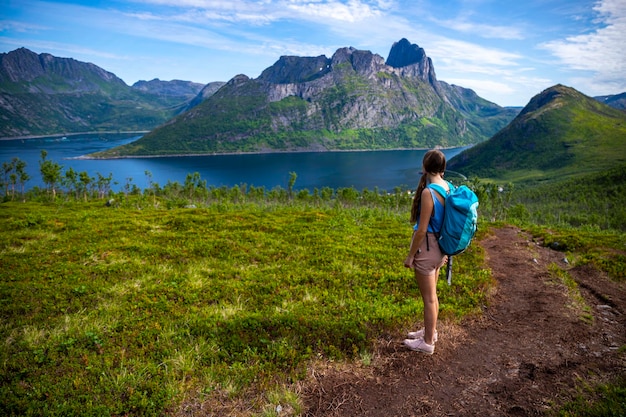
{"points": [[459, 221]]}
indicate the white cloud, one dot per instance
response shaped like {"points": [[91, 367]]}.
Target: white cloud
{"points": [[352, 11], [66, 50], [471, 55], [260, 12], [601, 51], [17, 26], [202, 4], [504, 91], [487, 87], [482, 30]]}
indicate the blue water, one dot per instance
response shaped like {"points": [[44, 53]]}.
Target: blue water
{"points": [[383, 169]]}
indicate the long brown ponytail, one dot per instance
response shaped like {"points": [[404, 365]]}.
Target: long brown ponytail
{"points": [[417, 198], [434, 162]]}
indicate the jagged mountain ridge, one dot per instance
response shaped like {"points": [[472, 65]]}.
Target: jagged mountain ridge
{"points": [[206, 92], [617, 101], [27, 72], [353, 100], [46, 95], [560, 132], [174, 88]]}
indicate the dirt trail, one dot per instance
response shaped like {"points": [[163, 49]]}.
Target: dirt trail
{"points": [[527, 353]]}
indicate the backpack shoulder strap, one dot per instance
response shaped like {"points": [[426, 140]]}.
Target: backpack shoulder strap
{"points": [[440, 190]]}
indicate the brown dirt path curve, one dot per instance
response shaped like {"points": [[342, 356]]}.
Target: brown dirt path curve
{"points": [[531, 349]]}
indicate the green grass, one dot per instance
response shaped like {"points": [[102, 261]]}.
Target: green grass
{"points": [[140, 307], [604, 249], [576, 300], [118, 311], [605, 400]]}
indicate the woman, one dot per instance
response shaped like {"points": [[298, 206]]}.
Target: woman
{"points": [[425, 257]]}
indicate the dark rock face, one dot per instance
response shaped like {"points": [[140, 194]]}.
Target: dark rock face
{"points": [[294, 69], [403, 54], [411, 60]]}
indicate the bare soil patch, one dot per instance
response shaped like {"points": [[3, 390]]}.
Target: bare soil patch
{"points": [[531, 350]]}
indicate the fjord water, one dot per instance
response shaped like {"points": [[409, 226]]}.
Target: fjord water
{"points": [[383, 169]]}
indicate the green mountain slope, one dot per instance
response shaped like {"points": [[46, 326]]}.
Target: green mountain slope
{"points": [[45, 95], [560, 133], [354, 100]]}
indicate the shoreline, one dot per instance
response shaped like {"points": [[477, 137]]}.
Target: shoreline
{"points": [[269, 151], [314, 149], [61, 135]]}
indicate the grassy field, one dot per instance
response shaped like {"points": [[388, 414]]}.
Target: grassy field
{"points": [[188, 294], [121, 311]]}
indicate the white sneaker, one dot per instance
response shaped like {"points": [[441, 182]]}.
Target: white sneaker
{"points": [[420, 334], [419, 345]]}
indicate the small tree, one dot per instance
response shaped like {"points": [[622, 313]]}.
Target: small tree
{"points": [[7, 169], [104, 184], [50, 173], [13, 179], [85, 180], [292, 181], [22, 175], [71, 182]]}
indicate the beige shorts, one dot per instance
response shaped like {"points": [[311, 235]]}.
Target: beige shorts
{"points": [[429, 257]]}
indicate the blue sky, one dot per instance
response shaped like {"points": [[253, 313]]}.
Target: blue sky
{"points": [[506, 51]]}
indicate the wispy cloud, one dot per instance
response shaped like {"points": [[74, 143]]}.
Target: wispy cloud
{"points": [[337, 11], [265, 11], [500, 49], [491, 86], [467, 26], [601, 51], [67, 50], [234, 25], [19, 27], [468, 54]]}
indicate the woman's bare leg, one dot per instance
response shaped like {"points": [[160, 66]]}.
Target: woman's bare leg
{"points": [[428, 288]]}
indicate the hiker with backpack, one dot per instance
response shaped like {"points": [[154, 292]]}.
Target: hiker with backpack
{"points": [[425, 256], [445, 219]]}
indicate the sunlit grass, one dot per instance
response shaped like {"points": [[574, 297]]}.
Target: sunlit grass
{"points": [[576, 300], [131, 312]]}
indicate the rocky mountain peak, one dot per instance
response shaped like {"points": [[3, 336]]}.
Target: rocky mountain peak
{"points": [[20, 65], [362, 62], [548, 99], [403, 54], [295, 69], [23, 65], [411, 60]]}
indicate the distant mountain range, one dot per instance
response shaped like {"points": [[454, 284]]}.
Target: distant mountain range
{"points": [[353, 100], [46, 95], [617, 101], [560, 133]]}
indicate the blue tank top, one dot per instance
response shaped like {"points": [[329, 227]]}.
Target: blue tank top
{"points": [[434, 226]]}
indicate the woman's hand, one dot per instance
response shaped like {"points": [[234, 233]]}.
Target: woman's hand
{"points": [[408, 262]]}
